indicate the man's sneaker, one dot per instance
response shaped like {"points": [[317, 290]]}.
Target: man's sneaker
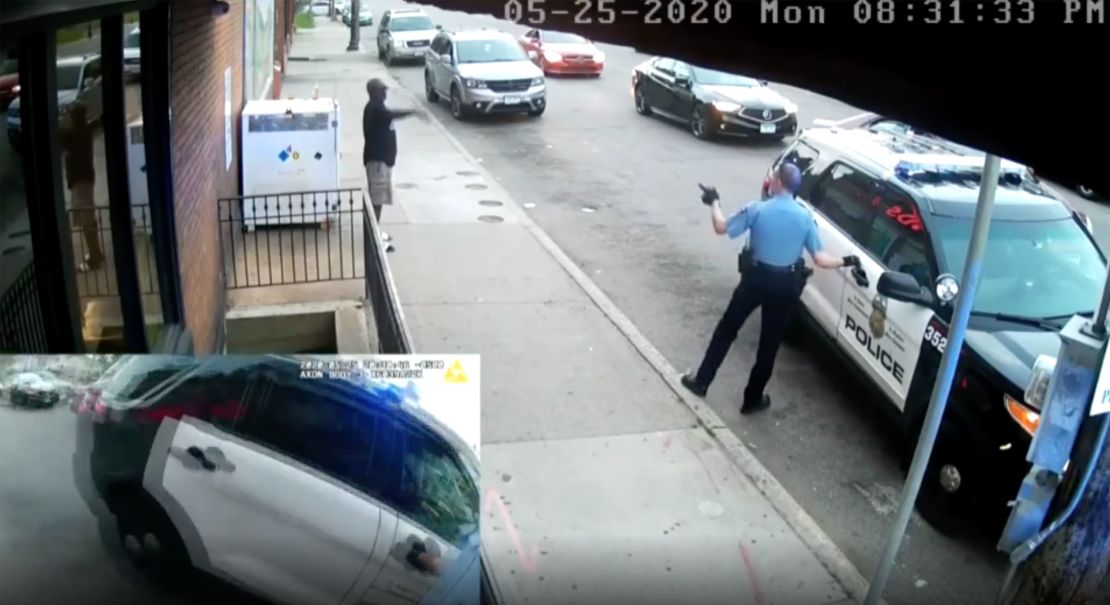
{"points": [[691, 383], [762, 404]]}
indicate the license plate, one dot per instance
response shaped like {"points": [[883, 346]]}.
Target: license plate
{"points": [[766, 128], [512, 100]]}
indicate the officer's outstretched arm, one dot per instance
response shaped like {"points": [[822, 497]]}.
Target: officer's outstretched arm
{"points": [[720, 224], [827, 261]]}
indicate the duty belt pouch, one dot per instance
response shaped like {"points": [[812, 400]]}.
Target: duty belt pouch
{"points": [[745, 262], [801, 275]]}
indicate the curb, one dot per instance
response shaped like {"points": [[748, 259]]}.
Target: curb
{"points": [[824, 550]]}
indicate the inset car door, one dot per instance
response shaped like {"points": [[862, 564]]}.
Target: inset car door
{"points": [[841, 200], [681, 91], [279, 505], [437, 508], [887, 334]]}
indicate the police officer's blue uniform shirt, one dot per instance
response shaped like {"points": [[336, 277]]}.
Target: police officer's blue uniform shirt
{"points": [[781, 229]]}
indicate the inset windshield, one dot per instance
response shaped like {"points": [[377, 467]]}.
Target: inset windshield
{"points": [[713, 77], [489, 51], [1037, 269], [69, 77], [411, 24], [563, 38]]}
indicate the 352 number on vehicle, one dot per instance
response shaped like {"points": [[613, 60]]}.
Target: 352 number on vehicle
{"points": [[936, 334]]}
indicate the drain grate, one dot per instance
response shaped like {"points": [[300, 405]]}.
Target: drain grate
{"points": [[491, 203], [476, 187], [489, 218]]}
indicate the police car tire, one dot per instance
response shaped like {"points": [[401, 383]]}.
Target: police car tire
{"points": [[170, 566], [948, 513]]}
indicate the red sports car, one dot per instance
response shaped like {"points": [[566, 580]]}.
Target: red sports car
{"points": [[562, 53]]}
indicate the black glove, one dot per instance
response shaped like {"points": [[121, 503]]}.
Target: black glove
{"points": [[850, 261], [709, 194]]}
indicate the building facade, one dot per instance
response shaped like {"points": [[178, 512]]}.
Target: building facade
{"points": [[109, 235]]}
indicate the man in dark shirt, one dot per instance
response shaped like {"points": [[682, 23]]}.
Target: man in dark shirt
{"points": [[380, 150], [77, 140]]}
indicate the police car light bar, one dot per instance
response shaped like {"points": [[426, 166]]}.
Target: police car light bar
{"points": [[938, 164]]}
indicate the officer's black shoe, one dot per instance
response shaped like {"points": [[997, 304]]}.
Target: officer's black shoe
{"points": [[762, 404], [691, 383]]}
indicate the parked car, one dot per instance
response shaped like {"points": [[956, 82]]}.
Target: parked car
{"points": [[9, 82], [320, 8], [302, 490], [33, 390], [483, 72], [132, 58], [405, 34], [563, 53], [904, 206], [78, 80], [712, 103]]}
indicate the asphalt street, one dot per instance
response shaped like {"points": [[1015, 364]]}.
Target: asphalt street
{"points": [[618, 192]]}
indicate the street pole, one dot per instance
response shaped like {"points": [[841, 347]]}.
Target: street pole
{"points": [[1067, 561], [943, 387], [355, 44]]}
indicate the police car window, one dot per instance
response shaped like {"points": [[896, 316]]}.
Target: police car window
{"points": [[803, 156], [898, 237], [435, 491], [845, 197], [310, 425]]}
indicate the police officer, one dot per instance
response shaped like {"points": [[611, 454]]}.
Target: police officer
{"points": [[774, 275]]}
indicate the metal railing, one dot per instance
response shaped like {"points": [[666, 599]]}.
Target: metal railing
{"points": [[291, 238], [21, 323], [91, 233], [385, 303]]}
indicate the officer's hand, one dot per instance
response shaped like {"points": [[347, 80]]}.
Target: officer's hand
{"points": [[850, 261], [709, 194]]}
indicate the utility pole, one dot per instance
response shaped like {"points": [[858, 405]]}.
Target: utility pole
{"points": [[1070, 564], [355, 43]]}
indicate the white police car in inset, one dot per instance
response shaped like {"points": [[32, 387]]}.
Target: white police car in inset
{"points": [[315, 492], [903, 202]]}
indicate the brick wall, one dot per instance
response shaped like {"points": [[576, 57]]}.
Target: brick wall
{"points": [[202, 46]]}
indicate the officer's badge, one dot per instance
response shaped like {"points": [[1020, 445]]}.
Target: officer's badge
{"points": [[877, 321]]}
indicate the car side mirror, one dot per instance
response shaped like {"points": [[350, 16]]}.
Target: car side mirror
{"points": [[439, 27], [681, 81], [903, 287]]}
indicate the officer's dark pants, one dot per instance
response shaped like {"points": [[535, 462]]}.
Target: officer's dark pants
{"points": [[777, 293]]}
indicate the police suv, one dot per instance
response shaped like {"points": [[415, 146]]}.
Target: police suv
{"points": [[904, 204], [302, 490]]}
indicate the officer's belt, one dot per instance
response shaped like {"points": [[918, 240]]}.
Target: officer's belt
{"points": [[776, 268]]}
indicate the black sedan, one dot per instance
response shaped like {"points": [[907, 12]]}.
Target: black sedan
{"points": [[33, 390], [712, 103]]}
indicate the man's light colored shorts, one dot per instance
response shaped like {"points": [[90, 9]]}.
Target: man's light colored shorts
{"points": [[379, 176]]}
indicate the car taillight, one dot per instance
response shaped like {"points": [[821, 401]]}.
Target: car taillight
{"points": [[91, 405]]}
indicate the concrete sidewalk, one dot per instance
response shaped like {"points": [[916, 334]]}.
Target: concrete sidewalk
{"points": [[604, 482]]}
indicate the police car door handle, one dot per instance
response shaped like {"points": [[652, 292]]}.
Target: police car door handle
{"points": [[860, 276]]}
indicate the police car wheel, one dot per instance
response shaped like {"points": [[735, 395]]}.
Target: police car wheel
{"points": [[699, 123], [947, 500], [152, 543], [642, 105]]}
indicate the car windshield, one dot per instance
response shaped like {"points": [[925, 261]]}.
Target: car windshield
{"points": [[1036, 269], [411, 24], [69, 77], [713, 77], [489, 51], [132, 40], [563, 38], [138, 376]]}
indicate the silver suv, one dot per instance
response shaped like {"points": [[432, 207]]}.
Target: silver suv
{"points": [[483, 72], [404, 34]]}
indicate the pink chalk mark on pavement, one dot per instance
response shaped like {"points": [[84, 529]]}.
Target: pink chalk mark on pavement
{"points": [[665, 438], [757, 594], [529, 559]]}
